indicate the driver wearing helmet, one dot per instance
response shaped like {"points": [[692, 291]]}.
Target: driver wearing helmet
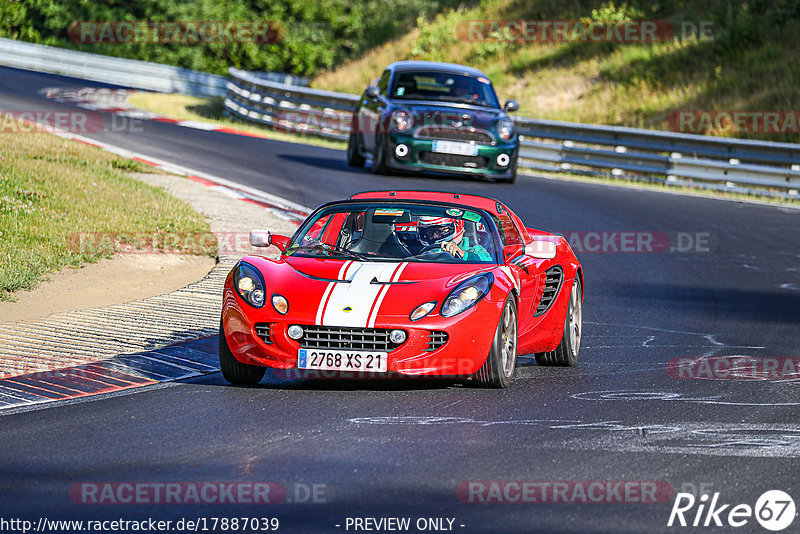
{"points": [[449, 235]]}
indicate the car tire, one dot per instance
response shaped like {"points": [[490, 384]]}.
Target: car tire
{"points": [[354, 157], [498, 369], [566, 354], [513, 178], [379, 160], [234, 371]]}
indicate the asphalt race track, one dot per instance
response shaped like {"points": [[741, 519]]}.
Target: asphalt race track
{"points": [[403, 448]]}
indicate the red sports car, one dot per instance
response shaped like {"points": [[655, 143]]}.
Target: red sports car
{"points": [[409, 282]]}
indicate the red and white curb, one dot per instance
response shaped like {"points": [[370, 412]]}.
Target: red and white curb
{"points": [[281, 207]]}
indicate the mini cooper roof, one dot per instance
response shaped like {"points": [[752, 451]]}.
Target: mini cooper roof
{"points": [[449, 68]]}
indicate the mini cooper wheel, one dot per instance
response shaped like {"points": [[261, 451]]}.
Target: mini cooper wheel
{"points": [[379, 158], [498, 370], [566, 354], [233, 370], [354, 157], [513, 178]]}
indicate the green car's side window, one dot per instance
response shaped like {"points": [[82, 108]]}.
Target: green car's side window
{"points": [[383, 83]]}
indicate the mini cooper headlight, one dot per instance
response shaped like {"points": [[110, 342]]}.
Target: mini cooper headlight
{"points": [[249, 284], [402, 120], [467, 294], [505, 129], [422, 310]]}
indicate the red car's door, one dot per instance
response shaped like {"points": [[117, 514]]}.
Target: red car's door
{"points": [[523, 268]]}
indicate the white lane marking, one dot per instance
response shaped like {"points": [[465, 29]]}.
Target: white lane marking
{"points": [[257, 194], [626, 395], [199, 125]]}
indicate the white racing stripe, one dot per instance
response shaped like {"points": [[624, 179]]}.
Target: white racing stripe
{"points": [[356, 303], [384, 290], [324, 301]]}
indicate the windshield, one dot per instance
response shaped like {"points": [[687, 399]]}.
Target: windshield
{"points": [[392, 232], [431, 85]]}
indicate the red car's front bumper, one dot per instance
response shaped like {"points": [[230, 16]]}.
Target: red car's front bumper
{"points": [[469, 338]]}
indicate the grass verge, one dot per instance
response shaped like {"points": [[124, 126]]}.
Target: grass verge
{"points": [[52, 189], [211, 110]]}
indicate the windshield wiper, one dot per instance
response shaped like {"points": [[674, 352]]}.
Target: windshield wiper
{"points": [[465, 100], [330, 249]]}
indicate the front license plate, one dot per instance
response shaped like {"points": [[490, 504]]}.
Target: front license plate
{"points": [[342, 360], [449, 147]]}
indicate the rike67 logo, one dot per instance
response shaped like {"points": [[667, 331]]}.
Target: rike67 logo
{"points": [[774, 510]]}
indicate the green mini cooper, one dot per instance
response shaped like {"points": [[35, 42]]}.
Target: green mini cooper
{"points": [[442, 117]]}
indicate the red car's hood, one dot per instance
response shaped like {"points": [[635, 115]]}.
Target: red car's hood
{"points": [[336, 292]]}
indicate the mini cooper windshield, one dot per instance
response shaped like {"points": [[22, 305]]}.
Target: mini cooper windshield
{"points": [[431, 85], [391, 232]]}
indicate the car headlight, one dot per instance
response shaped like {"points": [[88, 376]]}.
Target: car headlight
{"points": [[280, 304], [467, 294], [249, 284], [505, 129], [422, 310], [402, 121]]}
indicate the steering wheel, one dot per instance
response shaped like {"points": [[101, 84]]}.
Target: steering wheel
{"points": [[430, 250]]}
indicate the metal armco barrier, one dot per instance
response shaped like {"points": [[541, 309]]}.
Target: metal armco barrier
{"points": [[681, 159], [120, 71]]}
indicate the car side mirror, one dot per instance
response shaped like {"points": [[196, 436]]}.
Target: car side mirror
{"points": [[260, 238], [373, 91], [264, 238], [541, 249], [510, 105]]}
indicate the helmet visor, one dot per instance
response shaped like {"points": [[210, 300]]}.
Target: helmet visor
{"points": [[435, 233]]}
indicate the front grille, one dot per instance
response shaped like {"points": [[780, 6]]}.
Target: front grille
{"points": [[436, 339], [453, 160], [262, 331], [346, 338], [434, 132], [552, 283]]}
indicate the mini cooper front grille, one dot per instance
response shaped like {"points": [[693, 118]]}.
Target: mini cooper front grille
{"points": [[436, 339], [262, 331], [455, 134], [346, 338], [453, 160], [552, 282]]}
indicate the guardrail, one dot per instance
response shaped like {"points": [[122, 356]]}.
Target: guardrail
{"points": [[747, 166], [120, 71]]}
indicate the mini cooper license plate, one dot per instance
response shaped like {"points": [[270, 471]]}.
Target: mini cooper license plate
{"points": [[342, 360], [449, 147]]}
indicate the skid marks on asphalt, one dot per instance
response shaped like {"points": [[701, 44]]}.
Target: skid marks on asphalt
{"points": [[706, 438]]}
